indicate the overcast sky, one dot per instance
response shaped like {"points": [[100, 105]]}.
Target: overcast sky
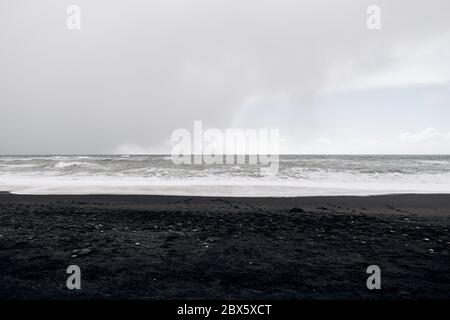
{"points": [[137, 70]]}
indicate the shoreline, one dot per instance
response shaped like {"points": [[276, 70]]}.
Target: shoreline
{"points": [[180, 247], [433, 204]]}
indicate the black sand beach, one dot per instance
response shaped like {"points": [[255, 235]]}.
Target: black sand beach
{"points": [[160, 247]]}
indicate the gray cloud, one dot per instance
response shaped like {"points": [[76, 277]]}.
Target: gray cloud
{"points": [[139, 69]]}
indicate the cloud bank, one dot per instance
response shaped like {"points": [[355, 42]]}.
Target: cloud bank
{"points": [[138, 70]]}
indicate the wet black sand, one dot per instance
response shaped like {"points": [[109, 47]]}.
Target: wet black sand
{"points": [[156, 247]]}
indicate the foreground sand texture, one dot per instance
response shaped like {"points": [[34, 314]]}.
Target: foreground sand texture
{"points": [[156, 247]]}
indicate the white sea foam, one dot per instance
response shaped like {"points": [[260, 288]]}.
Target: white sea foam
{"points": [[209, 186], [298, 176]]}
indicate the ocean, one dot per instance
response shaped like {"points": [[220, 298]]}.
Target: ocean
{"points": [[298, 175]]}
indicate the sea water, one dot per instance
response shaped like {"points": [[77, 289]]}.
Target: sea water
{"points": [[298, 175]]}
